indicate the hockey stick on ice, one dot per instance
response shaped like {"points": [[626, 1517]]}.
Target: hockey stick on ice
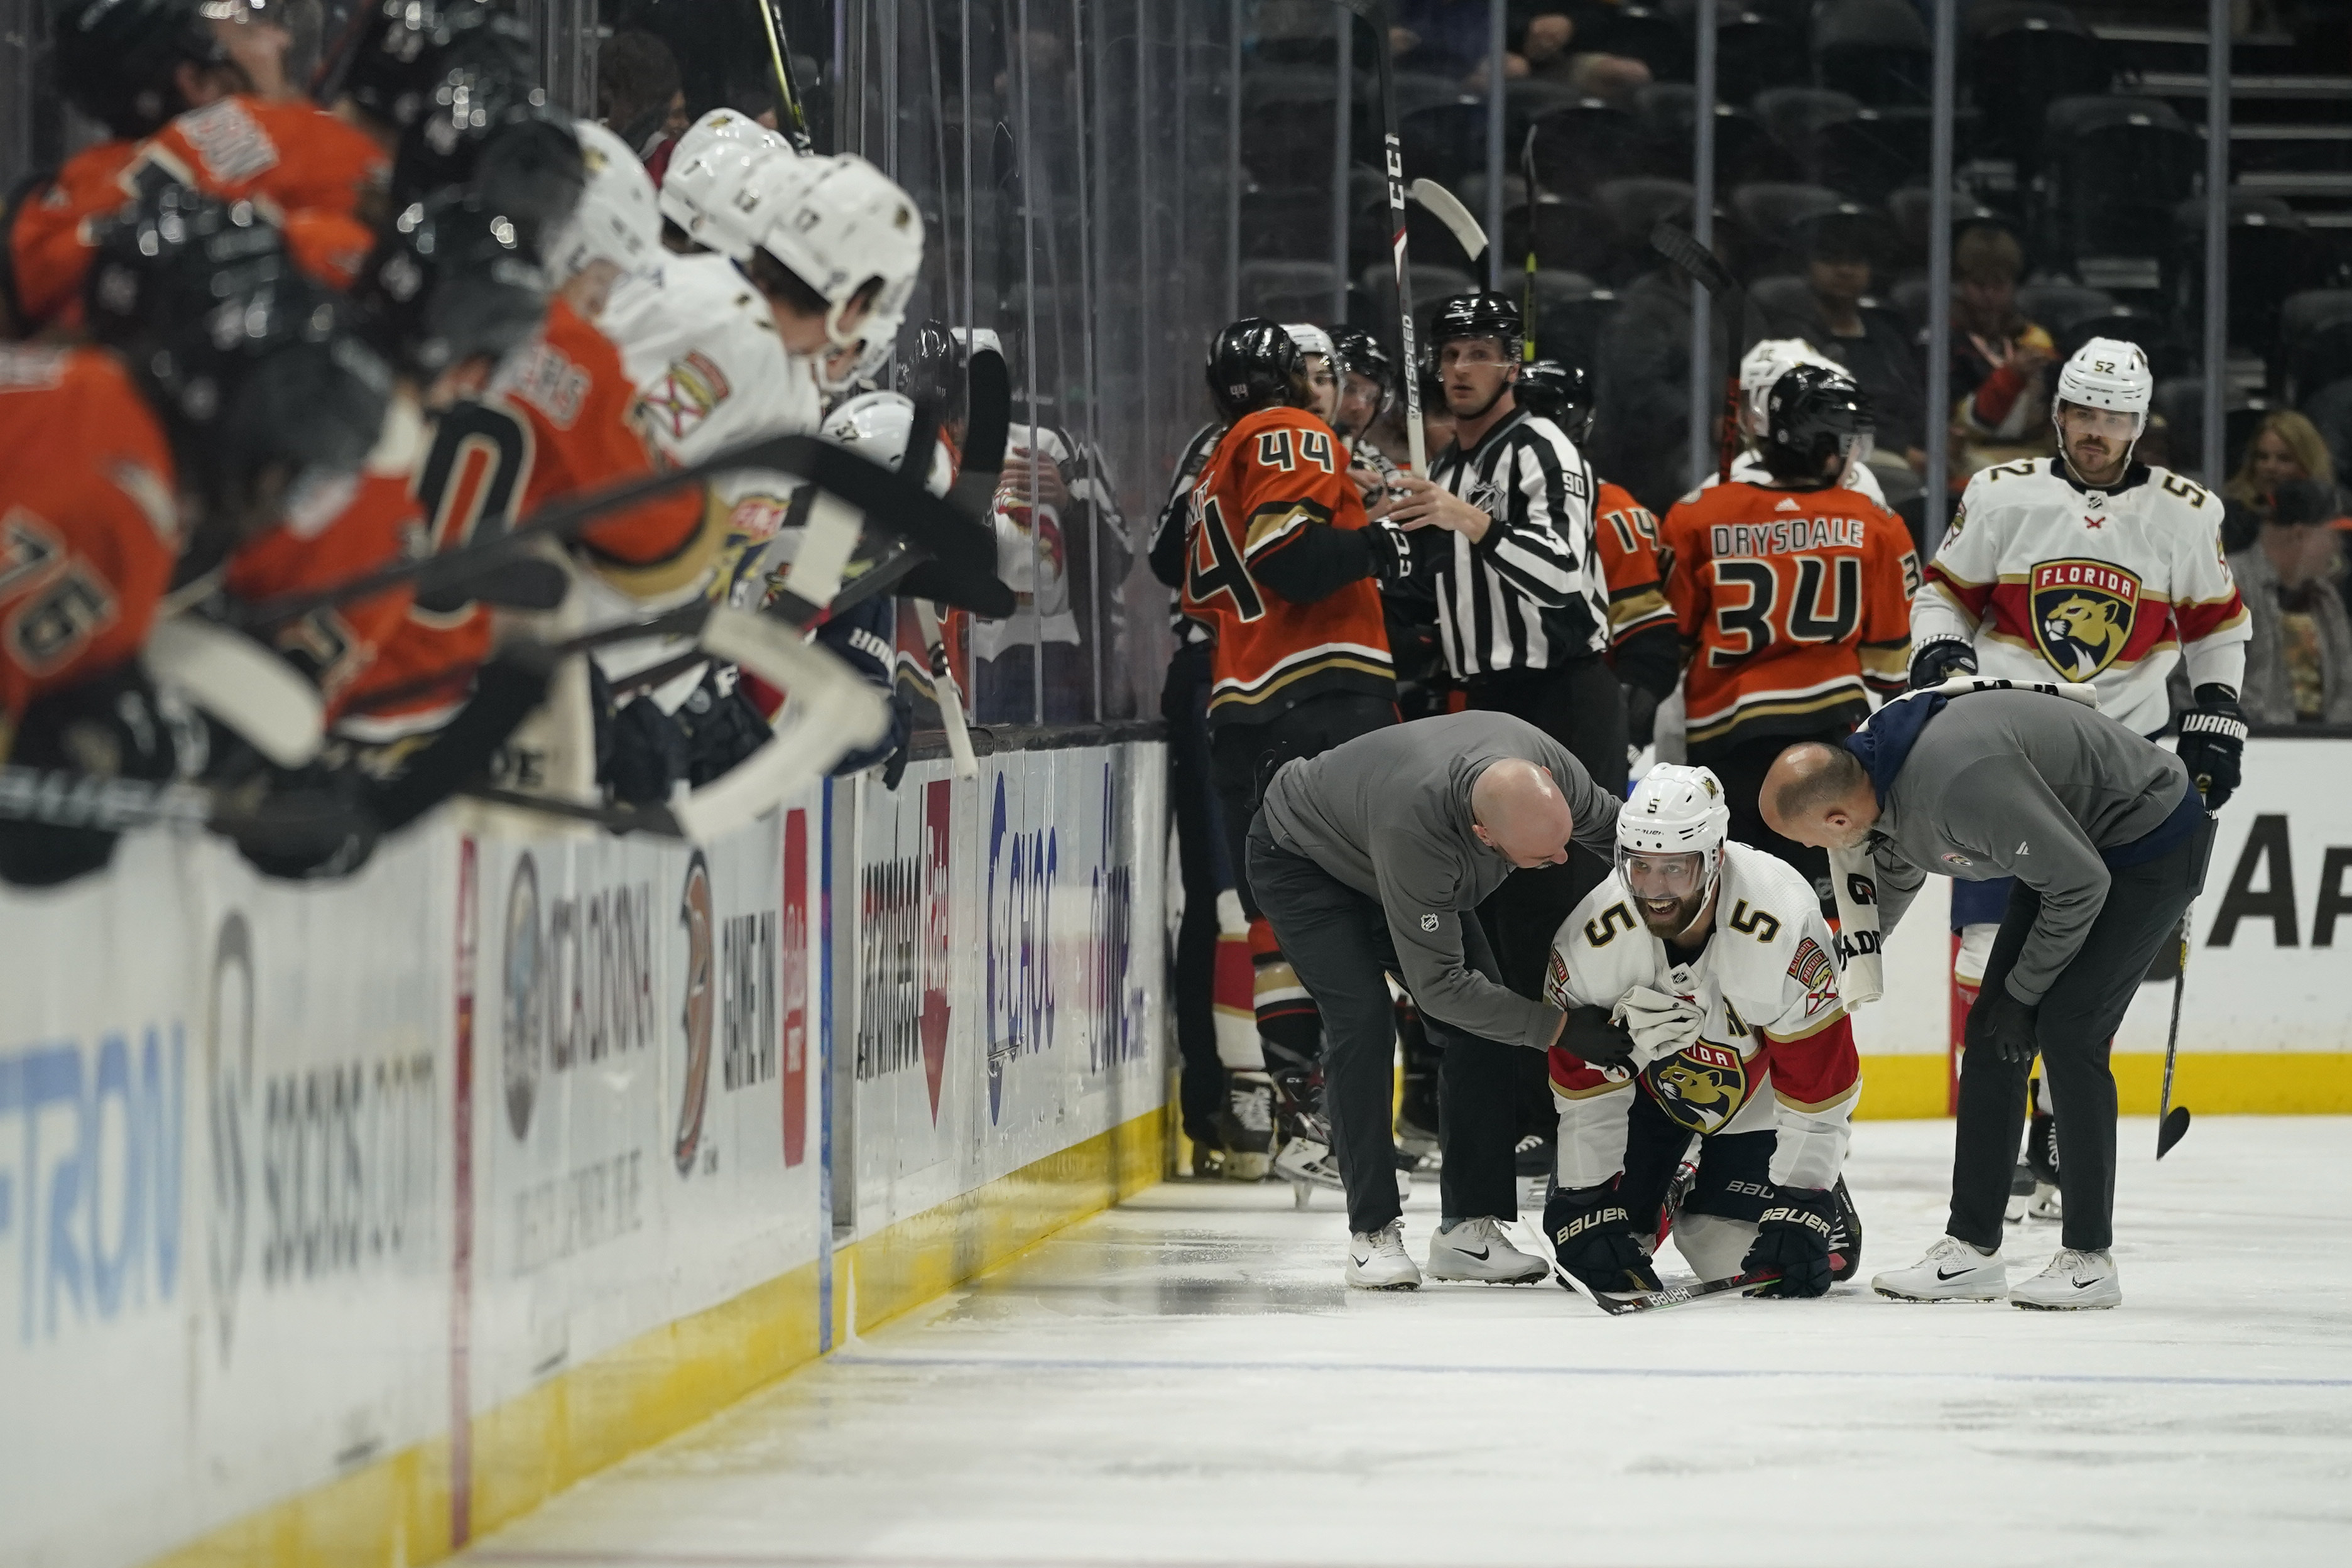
{"points": [[1381, 14], [1619, 1304]]}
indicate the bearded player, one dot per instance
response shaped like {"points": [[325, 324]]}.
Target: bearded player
{"points": [[1702, 999], [2090, 567]]}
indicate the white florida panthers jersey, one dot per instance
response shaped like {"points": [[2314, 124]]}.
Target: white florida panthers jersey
{"points": [[1775, 1052], [702, 351], [2108, 586]]}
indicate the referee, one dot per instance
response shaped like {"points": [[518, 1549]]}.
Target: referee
{"points": [[1522, 602]]}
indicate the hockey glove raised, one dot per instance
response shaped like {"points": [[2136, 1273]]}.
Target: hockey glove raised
{"points": [[2214, 743], [1403, 555], [1939, 659], [1593, 1235], [1793, 1240], [1592, 1036], [2002, 1024]]}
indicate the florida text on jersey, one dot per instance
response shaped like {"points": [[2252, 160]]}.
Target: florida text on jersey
{"points": [[1775, 1050], [1294, 610], [1794, 606], [2111, 587]]}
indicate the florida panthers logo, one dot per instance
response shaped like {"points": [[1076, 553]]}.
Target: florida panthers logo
{"points": [[2083, 613], [1700, 1087]]}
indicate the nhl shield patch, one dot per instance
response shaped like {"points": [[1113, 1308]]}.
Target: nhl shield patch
{"points": [[1699, 1086], [2083, 615]]}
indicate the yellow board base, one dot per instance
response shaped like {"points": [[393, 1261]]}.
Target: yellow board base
{"points": [[395, 1511], [2210, 1083]]}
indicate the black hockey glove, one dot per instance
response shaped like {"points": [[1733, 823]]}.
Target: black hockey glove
{"points": [[2001, 1023], [108, 727], [1591, 1038], [721, 725], [2213, 742], [1401, 555], [1793, 1240], [1939, 659], [1594, 1237]]}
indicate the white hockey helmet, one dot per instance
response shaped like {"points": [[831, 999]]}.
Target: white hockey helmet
{"points": [[1312, 339], [876, 426], [2108, 373], [835, 223], [617, 220], [1766, 363], [1673, 811], [705, 192]]}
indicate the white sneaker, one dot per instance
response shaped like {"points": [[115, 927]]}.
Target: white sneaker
{"points": [[2074, 1281], [1952, 1271], [1477, 1249], [1379, 1261]]}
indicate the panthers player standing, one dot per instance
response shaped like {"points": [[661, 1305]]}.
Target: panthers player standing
{"points": [[2105, 571], [1701, 998]]}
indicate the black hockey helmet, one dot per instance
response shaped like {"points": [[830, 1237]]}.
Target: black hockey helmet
{"points": [[1253, 364], [1560, 392], [1812, 415], [483, 120], [451, 280], [1476, 316], [394, 53], [266, 391], [115, 59], [931, 372], [1360, 353]]}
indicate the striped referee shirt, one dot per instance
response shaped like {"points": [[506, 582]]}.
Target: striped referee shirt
{"points": [[1169, 538], [1531, 593]]}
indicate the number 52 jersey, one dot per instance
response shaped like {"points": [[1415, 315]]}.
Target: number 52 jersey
{"points": [[2111, 587], [1775, 1052]]}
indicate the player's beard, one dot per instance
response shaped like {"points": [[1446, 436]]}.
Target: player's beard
{"points": [[1667, 920]]}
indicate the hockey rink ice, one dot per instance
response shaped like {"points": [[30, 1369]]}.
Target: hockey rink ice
{"points": [[1185, 1381]]}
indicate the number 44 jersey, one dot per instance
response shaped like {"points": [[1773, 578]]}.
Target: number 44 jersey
{"points": [[1794, 604], [1278, 565], [1774, 1054], [2047, 577]]}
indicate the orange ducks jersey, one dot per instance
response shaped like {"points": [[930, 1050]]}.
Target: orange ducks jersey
{"points": [[307, 169], [1794, 604], [1627, 535], [1275, 567], [90, 527], [560, 418]]}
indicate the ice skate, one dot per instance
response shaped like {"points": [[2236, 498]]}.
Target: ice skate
{"points": [[1952, 1271], [1536, 1157], [1476, 1249], [1380, 1262], [2021, 1193], [1307, 1163], [2075, 1281], [1246, 1125], [2045, 1206]]}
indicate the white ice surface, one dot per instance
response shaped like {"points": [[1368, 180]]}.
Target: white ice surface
{"points": [[1184, 1381]]}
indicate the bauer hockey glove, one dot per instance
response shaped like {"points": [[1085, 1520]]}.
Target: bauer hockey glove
{"points": [[1939, 659], [1793, 1240], [1593, 1235], [2002, 1024], [2214, 743]]}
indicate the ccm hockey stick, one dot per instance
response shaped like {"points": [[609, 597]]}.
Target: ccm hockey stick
{"points": [[1449, 211], [1382, 15]]}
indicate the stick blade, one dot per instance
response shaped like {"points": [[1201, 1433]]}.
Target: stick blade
{"points": [[1680, 246], [2171, 1129], [1448, 209]]}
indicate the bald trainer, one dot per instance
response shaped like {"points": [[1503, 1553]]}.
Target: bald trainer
{"points": [[1367, 859]]}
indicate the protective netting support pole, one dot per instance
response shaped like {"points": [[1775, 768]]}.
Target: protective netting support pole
{"points": [[1343, 129], [1705, 394], [2217, 239], [1937, 500], [1498, 28]]}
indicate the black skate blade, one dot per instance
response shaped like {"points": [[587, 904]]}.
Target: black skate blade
{"points": [[2171, 1130]]}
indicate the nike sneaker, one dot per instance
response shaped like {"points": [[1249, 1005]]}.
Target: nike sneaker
{"points": [[2074, 1281], [1380, 1262], [1952, 1271], [1476, 1249]]}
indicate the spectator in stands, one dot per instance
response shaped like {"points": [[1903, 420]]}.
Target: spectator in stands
{"points": [[1999, 358], [1446, 38], [2286, 446], [1867, 340], [1546, 38], [637, 94], [2299, 663]]}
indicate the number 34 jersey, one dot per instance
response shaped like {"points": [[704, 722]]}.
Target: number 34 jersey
{"points": [[1793, 604], [2049, 577], [1279, 568], [1775, 1051]]}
